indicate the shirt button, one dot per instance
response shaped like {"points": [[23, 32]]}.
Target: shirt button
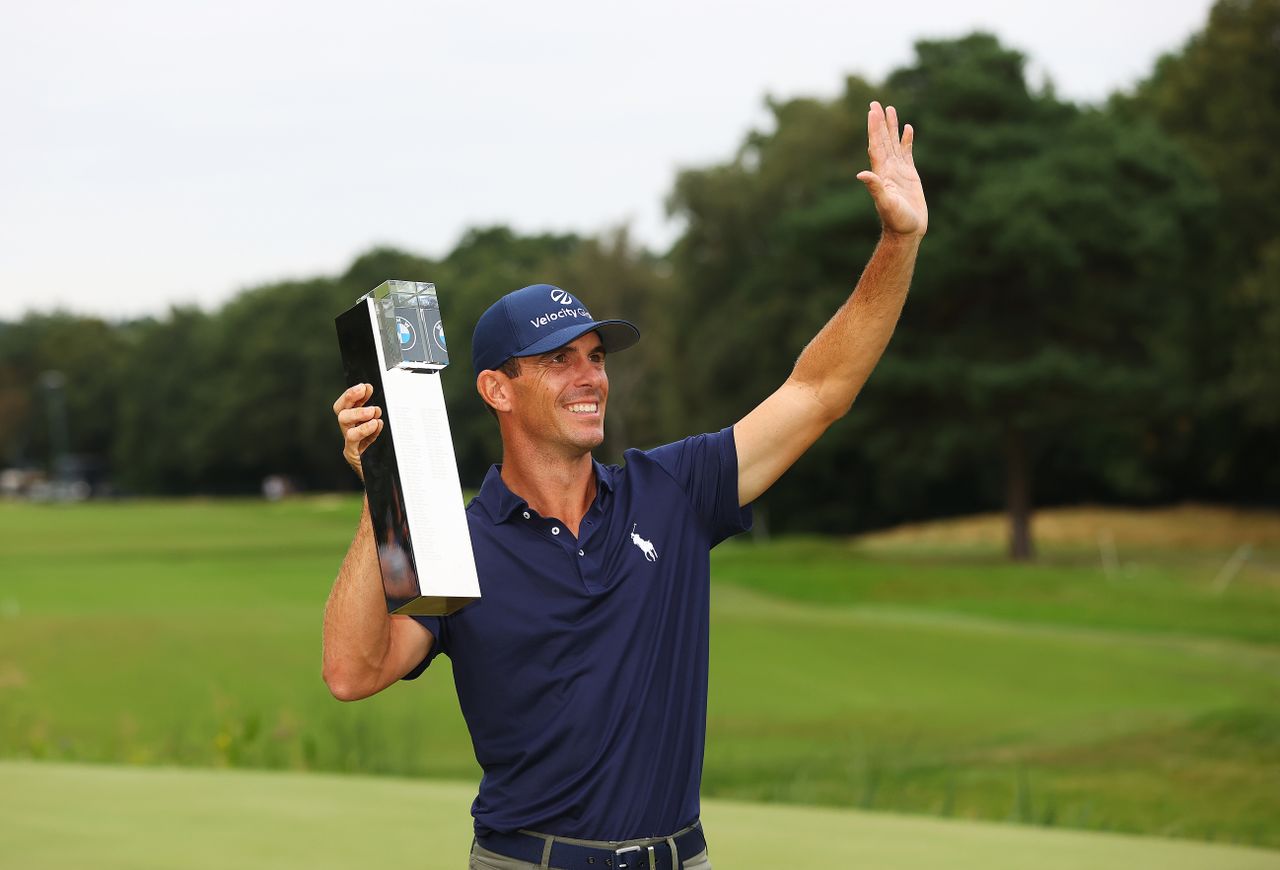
{"points": [[580, 553], [555, 530], [526, 515]]}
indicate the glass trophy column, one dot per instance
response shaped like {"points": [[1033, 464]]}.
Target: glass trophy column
{"points": [[393, 338]]}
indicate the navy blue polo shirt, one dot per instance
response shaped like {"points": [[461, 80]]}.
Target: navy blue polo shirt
{"points": [[582, 671]]}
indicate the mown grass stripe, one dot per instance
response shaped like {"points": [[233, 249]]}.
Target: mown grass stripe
{"points": [[55, 816]]}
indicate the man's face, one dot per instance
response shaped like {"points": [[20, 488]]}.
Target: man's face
{"points": [[560, 396]]}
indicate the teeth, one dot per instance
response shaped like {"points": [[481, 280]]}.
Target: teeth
{"points": [[584, 408]]}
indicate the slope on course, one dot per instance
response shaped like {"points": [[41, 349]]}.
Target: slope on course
{"points": [[903, 676], [73, 816]]}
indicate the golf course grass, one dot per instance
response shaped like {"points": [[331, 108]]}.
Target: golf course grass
{"points": [[916, 675], [55, 816]]}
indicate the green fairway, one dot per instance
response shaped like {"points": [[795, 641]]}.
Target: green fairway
{"points": [[925, 680], [74, 816]]}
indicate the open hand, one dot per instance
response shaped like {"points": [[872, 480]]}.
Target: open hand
{"points": [[892, 180]]}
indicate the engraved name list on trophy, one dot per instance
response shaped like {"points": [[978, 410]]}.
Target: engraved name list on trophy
{"points": [[393, 338]]}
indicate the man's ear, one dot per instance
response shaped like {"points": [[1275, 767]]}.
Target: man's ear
{"points": [[494, 388]]}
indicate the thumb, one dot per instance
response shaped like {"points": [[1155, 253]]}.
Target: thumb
{"points": [[872, 181]]}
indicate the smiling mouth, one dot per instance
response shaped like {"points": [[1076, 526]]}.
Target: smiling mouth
{"points": [[584, 407]]}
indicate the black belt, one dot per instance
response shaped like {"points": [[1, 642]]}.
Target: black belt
{"points": [[650, 854]]}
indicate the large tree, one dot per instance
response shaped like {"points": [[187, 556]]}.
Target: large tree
{"points": [[1055, 279], [1219, 96]]}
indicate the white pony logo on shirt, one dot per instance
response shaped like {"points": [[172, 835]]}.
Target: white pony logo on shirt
{"points": [[646, 547]]}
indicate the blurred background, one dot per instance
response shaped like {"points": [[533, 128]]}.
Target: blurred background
{"points": [[1034, 576]]}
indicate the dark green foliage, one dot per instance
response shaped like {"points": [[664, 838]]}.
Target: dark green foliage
{"points": [[158, 445], [1095, 313], [213, 402], [1256, 357], [1050, 306], [88, 354], [1219, 97]]}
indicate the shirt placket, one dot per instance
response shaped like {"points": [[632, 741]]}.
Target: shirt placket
{"points": [[575, 548], [557, 533]]}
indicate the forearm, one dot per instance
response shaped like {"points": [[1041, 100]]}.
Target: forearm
{"points": [[840, 358], [357, 629], [832, 369]]}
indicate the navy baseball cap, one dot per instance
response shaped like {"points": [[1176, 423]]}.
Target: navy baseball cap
{"points": [[536, 319]]}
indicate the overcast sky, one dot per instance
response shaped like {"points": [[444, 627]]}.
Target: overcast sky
{"points": [[160, 152]]}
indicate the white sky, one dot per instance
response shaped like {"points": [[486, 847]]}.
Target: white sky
{"points": [[161, 151]]}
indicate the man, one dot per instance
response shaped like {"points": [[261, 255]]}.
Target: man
{"points": [[582, 672]]}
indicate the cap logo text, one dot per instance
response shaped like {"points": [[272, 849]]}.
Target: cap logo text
{"points": [[538, 322]]}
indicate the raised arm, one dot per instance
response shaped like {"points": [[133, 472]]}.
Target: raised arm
{"points": [[839, 359], [365, 648]]}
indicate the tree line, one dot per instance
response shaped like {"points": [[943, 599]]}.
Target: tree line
{"points": [[1095, 314]]}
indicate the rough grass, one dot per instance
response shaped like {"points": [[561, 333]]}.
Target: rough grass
{"points": [[883, 674], [1180, 527]]}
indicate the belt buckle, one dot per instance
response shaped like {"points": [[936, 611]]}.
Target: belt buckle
{"points": [[623, 864]]}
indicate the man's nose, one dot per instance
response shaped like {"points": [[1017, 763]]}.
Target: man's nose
{"points": [[588, 373]]}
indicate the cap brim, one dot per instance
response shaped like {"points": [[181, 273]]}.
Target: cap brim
{"points": [[616, 335]]}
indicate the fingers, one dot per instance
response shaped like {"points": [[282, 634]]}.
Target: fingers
{"points": [[356, 435], [353, 397], [875, 133], [360, 425], [883, 139], [355, 416]]}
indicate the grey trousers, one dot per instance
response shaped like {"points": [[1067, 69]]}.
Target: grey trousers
{"points": [[483, 859]]}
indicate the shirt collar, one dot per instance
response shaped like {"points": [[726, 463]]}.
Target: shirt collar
{"points": [[502, 504]]}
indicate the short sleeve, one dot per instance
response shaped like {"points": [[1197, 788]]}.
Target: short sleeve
{"points": [[706, 468], [438, 628]]}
